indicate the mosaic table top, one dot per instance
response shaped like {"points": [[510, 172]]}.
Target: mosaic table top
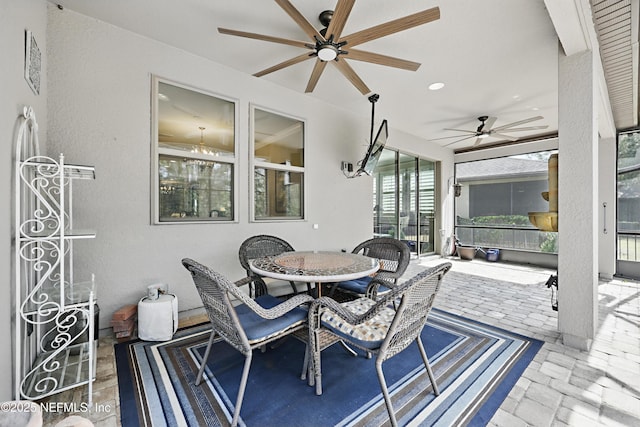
{"points": [[315, 266]]}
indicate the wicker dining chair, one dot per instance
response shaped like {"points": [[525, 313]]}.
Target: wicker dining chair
{"points": [[250, 325], [260, 246], [394, 256], [377, 327]]}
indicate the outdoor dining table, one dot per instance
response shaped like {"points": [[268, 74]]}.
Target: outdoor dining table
{"points": [[315, 267]]}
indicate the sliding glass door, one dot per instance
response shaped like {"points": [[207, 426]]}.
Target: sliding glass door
{"points": [[629, 204], [404, 200], [426, 204]]}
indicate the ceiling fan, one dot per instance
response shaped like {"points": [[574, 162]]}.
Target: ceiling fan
{"points": [[328, 44], [485, 130]]}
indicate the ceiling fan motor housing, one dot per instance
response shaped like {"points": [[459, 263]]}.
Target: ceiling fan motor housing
{"points": [[325, 19], [327, 50]]}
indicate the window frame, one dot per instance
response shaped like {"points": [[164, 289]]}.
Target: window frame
{"points": [[253, 164], [157, 151]]}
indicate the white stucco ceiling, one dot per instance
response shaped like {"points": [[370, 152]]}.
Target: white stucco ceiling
{"points": [[496, 57]]}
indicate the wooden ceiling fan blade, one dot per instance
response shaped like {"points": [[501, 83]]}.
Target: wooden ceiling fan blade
{"points": [[283, 64], [392, 27], [339, 18], [376, 58], [501, 135], [460, 140], [520, 122], [525, 128], [302, 22], [296, 43], [315, 75], [351, 75]]}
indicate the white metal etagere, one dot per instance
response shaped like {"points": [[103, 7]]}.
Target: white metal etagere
{"points": [[55, 348]]}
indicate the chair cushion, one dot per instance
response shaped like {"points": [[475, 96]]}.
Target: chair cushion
{"points": [[257, 328], [359, 286], [369, 334]]}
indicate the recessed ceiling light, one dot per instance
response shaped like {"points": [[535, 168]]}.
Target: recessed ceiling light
{"points": [[436, 86]]}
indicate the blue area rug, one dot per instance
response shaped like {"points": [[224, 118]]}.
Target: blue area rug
{"points": [[475, 365]]}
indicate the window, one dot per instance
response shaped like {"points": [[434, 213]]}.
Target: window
{"points": [[195, 151], [278, 166], [496, 198]]}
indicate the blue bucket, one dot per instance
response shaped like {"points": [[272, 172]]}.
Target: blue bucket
{"points": [[493, 254]]}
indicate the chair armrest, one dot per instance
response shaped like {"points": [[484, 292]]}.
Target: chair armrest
{"points": [[259, 287], [373, 286], [280, 309], [243, 281], [274, 312]]}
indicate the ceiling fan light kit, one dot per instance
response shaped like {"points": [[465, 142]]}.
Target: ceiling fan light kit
{"points": [[328, 42], [327, 52]]}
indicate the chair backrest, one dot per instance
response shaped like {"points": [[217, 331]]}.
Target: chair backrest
{"points": [[260, 246], [393, 254], [215, 290], [418, 294]]}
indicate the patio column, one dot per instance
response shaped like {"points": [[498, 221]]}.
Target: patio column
{"points": [[578, 196]]}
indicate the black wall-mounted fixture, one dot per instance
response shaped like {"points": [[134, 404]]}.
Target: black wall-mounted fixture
{"points": [[457, 190]]}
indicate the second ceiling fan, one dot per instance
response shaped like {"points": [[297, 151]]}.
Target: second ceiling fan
{"points": [[485, 130], [328, 44]]}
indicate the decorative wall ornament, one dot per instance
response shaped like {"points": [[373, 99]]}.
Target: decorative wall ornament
{"points": [[32, 62]]}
